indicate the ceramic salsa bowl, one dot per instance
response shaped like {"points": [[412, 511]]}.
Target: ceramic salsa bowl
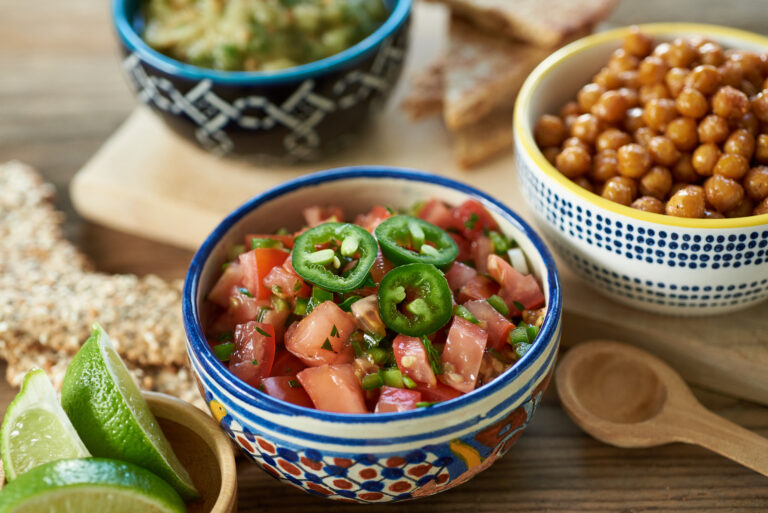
{"points": [[375, 457], [298, 114], [660, 263]]}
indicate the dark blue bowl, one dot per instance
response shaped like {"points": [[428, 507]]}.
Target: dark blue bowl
{"points": [[299, 114]]}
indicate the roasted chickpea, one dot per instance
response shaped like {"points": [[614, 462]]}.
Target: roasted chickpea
{"points": [[634, 160], [633, 120], [760, 106], [612, 139], [692, 103], [611, 106], [652, 70], [656, 182], [682, 132], [683, 171], [659, 112], [756, 183], [705, 158], [636, 43], [630, 95], [622, 60], [608, 79], [748, 88], [620, 189], [730, 74], [661, 51], [711, 53], [663, 151], [649, 204], [644, 135], [584, 183], [740, 142], [605, 165], [568, 121], [731, 166], [742, 209], [748, 122], [629, 79], [723, 193], [761, 149], [675, 80], [676, 187], [704, 78], [652, 92], [573, 162], [729, 102], [687, 202], [713, 214], [549, 131], [681, 53], [586, 127], [761, 208], [748, 63], [588, 96], [713, 129], [570, 109], [551, 154], [575, 141]]}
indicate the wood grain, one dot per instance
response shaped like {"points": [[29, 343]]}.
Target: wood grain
{"points": [[62, 95]]}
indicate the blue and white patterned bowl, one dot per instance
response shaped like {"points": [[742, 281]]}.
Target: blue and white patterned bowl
{"points": [[299, 114], [375, 457], [654, 262]]}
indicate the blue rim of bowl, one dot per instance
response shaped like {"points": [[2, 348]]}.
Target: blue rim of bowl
{"points": [[249, 395], [173, 67]]}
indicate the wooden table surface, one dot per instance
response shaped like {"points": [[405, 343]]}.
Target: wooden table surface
{"points": [[62, 94]]}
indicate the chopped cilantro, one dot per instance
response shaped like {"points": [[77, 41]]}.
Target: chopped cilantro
{"points": [[327, 346], [244, 291], [227, 335], [298, 286], [263, 332], [518, 305], [334, 331], [254, 362], [470, 223], [262, 312], [294, 384], [434, 357]]}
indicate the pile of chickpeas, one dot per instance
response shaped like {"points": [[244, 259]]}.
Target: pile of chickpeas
{"points": [[677, 128]]}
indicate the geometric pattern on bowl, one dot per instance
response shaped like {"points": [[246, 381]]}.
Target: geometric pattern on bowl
{"points": [[300, 113]]}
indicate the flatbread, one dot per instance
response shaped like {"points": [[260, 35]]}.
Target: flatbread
{"points": [[482, 73], [487, 138], [425, 97], [544, 23]]}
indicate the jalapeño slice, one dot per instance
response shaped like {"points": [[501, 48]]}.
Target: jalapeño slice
{"points": [[335, 256], [415, 299], [406, 240]]}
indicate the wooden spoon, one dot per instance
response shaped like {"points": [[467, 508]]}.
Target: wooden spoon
{"points": [[627, 397]]}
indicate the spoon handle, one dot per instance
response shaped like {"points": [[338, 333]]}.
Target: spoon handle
{"points": [[722, 436]]}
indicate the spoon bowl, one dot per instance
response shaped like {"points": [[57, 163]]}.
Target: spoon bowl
{"points": [[627, 397]]}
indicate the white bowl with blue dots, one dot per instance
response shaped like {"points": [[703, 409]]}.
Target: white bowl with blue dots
{"points": [[654, 262]]}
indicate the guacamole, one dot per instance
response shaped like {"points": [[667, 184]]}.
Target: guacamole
{"points": [[258, 35]]}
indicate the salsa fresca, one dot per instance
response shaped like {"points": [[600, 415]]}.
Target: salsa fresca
{"points": [[391, 312], [258, 35]]}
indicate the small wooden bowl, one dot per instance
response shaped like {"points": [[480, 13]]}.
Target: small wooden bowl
{"points": [[203, 449]]}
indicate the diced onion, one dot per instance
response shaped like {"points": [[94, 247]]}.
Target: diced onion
{"points": [[517, 259]]}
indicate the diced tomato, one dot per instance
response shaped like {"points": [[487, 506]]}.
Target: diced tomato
{"points": [[318, 215], [479, 287], [381, 266], [497, 326], [286, 364], [412, 359], [393, 399], [243, 308], [373, 218], [435, 212], [334, 388], [481, 248], [471, 219], [437, 393], [285, 284], [463, 354], [256, 264], [286, 388], [230, 279], [465, 248], [327, 325], [277, 319], [515, 287], [287, 240], [459, 274], [254, 352]]}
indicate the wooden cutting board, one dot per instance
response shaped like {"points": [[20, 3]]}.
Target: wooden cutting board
{"points": [[147, 181]]}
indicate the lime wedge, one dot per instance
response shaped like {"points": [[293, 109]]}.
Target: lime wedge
{"points": [[35, 429], [112, 417], [91, 484]]}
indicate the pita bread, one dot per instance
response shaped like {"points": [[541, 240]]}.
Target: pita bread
{"points": [[425, 98], [482, 73], [485, 139], [545, 23]]}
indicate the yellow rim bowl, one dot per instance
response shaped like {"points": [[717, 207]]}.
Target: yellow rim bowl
{"points": [[523, 124]]}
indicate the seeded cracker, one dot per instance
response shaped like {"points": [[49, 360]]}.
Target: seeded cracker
{"points": [[49, 297]]}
